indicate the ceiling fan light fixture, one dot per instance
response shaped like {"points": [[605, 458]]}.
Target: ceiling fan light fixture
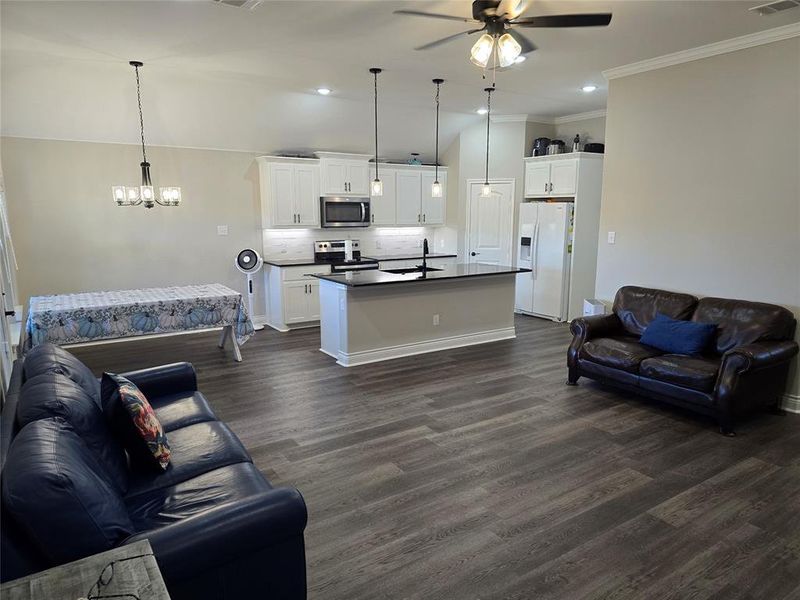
{"points": [[482, 50], [508, 49]]}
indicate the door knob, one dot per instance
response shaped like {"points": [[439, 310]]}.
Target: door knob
{"points": [[474, 253]]}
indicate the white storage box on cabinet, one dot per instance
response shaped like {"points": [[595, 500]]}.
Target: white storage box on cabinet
{"points": [[292, 295], [344, 174], [289, 192]]}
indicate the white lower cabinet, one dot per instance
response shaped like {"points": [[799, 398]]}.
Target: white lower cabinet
{"points": [[292, 296]]}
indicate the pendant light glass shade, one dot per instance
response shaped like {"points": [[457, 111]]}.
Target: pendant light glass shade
{"points": [[486, 190], [376, 187], [436, 190], [482, 50], [508, 49], [145, 193]]}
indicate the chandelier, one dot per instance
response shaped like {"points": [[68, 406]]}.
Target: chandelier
{"points": [[144, 194]]}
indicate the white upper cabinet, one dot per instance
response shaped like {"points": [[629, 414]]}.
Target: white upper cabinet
{"points": [[547, 176], [344, 174], [433, 208], [409, 197], [382, 208], [289, 192]]}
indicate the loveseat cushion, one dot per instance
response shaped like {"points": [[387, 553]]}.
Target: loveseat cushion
{"points": [[163, 506], [55, 490], [47, 358], [636, 306], [196, 449], [52, 394], [696, 372], [623, 353], [180, 410], [741, 322]]}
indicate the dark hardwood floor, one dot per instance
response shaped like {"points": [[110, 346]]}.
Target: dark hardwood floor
{"points": [[476, 473]]}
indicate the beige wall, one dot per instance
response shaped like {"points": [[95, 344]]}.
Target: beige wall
{"points": [[590, 130], [701, 179], [69, 236]]}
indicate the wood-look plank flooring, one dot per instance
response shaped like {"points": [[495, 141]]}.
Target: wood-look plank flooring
{"points": [[476, 473]]}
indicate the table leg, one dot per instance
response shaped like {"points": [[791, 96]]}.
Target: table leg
{"points": [[226, 331], [237, 355]]}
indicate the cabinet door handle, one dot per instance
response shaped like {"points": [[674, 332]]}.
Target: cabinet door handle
{"points": [[551, 186], [545, 186], [419, 218], [424, 217]]}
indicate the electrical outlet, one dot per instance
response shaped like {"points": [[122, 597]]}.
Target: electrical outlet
{"points": [[612, 237], [435, 319], [222, 230]]}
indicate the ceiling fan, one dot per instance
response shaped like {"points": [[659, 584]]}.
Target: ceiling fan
{"points": [[500, 40]]}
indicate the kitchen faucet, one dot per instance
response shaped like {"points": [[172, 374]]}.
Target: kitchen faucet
{"points": [[424, 255]]}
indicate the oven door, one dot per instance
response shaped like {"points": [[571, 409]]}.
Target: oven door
{"points": [[344, 212]]}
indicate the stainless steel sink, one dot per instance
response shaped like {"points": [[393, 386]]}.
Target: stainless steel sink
{"points": [[407, 270]]}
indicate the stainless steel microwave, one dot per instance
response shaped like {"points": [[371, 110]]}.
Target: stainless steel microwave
{"points": [[337, 211]]}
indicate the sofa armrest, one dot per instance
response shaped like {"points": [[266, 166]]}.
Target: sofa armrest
{"points": [[221, 535], [165, 379], [585, 328], [760, 354]]}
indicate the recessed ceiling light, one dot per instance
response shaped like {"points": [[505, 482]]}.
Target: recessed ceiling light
{"points": [[323, 91], [520, 59], [589, 88], [482, 111]]}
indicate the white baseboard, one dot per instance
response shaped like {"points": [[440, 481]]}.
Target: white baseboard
{"points": [[457, 341], [791, 403]]}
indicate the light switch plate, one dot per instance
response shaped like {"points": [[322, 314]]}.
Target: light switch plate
{"points": [[612, 237], [222, 230]]}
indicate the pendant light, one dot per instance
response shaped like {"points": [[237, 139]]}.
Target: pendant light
{"points": [[143, 194], [376, 187], [436, 187], [486, 190]]}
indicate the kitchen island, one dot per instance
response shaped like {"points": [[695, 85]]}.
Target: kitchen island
{"points": [[370, 316]]}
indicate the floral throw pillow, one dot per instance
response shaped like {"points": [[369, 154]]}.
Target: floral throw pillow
{"points": [[147, 432]]}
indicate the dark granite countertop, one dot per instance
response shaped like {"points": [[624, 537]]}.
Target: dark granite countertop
{"points": [[304, 262], [418, 256], [373, 277]]}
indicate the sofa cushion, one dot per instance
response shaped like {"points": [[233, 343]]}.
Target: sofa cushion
{"points": [[696, 372], [179, 410], [678, 337], [636, 306], [196, 449], [48, 357], [135, 422], [55, 490], [623, 353], [741, 322], [163, 506], [52, 394]]}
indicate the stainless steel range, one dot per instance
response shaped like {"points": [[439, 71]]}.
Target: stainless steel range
{"points": [[336, 253]]}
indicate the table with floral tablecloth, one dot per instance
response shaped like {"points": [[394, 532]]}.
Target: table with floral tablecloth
{"points": [[94, 316]]}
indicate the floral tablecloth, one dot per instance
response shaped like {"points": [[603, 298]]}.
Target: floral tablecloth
{"points": [[93, 316]]}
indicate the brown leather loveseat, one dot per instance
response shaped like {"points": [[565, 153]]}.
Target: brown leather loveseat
{"points": [[744, 370]]}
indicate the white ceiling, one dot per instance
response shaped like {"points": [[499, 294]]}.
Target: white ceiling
{"points": [[220, 77]]}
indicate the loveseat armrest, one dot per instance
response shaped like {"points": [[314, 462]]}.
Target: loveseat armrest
{"points": [[584, 329], [222, 535], [760, 354], [164, 380]]}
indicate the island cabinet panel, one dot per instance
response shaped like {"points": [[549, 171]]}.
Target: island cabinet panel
{"points": [[409, 197], [383, 208]]}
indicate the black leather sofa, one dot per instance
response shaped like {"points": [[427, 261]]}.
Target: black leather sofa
{"points": [[745, 369], [218, 529]]}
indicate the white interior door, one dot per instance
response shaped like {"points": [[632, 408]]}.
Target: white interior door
{"points": [[490, 224], [550, 259]]}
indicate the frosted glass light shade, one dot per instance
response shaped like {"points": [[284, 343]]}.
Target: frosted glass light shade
{"points": [[486, 190], [118, 194], [436, 190], [508, 49], [376, 188], [133, 195], [170, 196], [147, 195], [482, 50]]}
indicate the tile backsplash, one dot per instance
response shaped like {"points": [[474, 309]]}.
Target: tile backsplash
{"points": [[299, 243]]}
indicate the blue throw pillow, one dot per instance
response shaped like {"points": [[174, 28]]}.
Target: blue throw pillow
{"points": [[678, 337]]}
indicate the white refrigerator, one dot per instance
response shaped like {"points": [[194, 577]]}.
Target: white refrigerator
{"points": [[545, 247]]}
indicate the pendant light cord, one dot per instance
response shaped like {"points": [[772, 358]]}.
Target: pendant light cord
{"points": [[488, 117], [375, 73], [436, 177], [141, 118]]}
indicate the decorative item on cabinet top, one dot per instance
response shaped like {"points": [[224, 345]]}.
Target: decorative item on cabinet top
{"points": [[291, 187]]}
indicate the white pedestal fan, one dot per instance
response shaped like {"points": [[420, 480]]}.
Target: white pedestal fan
{"points": [[248, 261]]}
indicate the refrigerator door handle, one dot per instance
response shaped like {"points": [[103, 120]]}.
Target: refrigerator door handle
{"points": [[535, 251]]}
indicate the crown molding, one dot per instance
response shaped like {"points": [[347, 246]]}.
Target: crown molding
{"points": [[509, 118], [592, 114], [676, 58]]}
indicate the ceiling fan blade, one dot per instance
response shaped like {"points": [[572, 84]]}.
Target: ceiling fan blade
{"points": [[527, 45], [449, 38], [419, 13], [596, 20]]}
